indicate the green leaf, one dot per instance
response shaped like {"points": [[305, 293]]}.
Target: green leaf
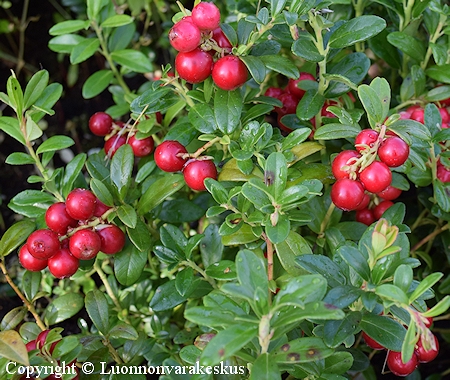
{"points": [[392, 293], [440, 308], [384, 50], [333, 131], [440, 73], [281, 65], [11, 126], [372, 104], [356, 30], [279, 232], [408, 45], [64, 43], [94, 7], [96, 83], [15, 94], [35, 88], [161, 189], [62, 308], [31, 203], [356, 260], [339, 363], [310, 105], [243, 235], [384, 330], [227, 342], [424, 285], [134, 60], [20, 158], [101, 191], [322, 265], [180, 211], [97, 308], [184, 281], [13, 348], [227, 110], [15, 236], [217, 190], [337, 332], [255, 66], [84, 50], [46, 101], [304, 47], [251, 272], [116, 21], [294, 245], [123, 331], [13, 318], [409, 343], [302, 350], [68, 26], [122, 168], [295, 138], [276, 6], [127, 215], [201, 116], [140, 236], [31, 284], [33, 131], [442, 194], [265, 368], [166, 297], [55, 143], [129, 264]]}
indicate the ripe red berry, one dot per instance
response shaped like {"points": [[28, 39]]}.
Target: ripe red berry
{"points": [[379, 209], [396, 365], [84, 244], [31, 345], [425, 356], [41, 338], [443, 174], [366, 217], [274, 92], [292, 85], [43, 244], [341, 160], [289, 104], [142, 147], [57, 218], [347, 194], [100, 208], [389, 193], [206, 16], [418, 114], [364, 203], [324, 111], [166, 156], [376, 177], [393, 151], [366, 138], [221, 39], [445, 116], [197, 171], [112, 239], [372, 343], [63, 264], [194, 66], [114, 143], [185, 35], [30, 262], [229, 73], [100, 124], [80, 204]]}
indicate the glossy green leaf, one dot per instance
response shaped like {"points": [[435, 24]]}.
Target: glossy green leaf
{"points": [[372, 104], [227, 110], [123, 331], [134, 60], [13, 348], [265, 368], [94, 7], [255, 66], [356, 30], [441, 194], [339, 363], [322, 265], [384, 330], [408, 45], [291, 247], [31, 284], [69, 26], [101, 191], [333, 131], [281, 65], [35, 88], [64, 43], [275, 173], [251, 271], [96, 83], [337, 332], [356, 260], [97, 308], [201, 116], [129, 264], [302, 350], [15, 94], [310, 105], [384, 50], [13, 318], [84, 50], [424, 285], [304, 47], [20, 158], [180, 211], [11, 126], [55, 143], [62, 308], [140, 236], [279, 232], [127, 215], [31, 203], [440, 73], [46, 101], [166, 297], [121, 169], [15, 236], [116, 21]]}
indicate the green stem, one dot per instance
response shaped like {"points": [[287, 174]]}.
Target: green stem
{"points": [[115, 355], [430, 237], [326, 219], [194, 266], [27, 303], [437, 33], [22, 28]]}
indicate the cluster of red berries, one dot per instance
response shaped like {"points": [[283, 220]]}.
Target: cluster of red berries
{"points": [[117, 134], [172, 156], [394, 358], [38, 344], [198, 38], [359, 173], [76, 231]]}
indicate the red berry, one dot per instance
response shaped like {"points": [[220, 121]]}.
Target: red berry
{"points": [[63, 264], [229, 73], [347, 194], [366, 217], [429, 321], [396, 365], [289, 104], [166, 156], [194, 66], [100, 208], [114, 143], [389, 193], [366, 138], [418, 114], [341, 160], [43, 244], [112, 239], [142, 147], [206, 16], [292, 85], [80, 204], [31, 346], [445, 116], [30, 262], [281, 125], [185, 35], [393, 151], [324, 111], [57, 218], [372, 343], [84, 244], [376, 177], [364, 203], [197, 171], [425, 356], [443, 174], [379, 209], [221, 39], [41, 338], [100, 124], [274, 92]]}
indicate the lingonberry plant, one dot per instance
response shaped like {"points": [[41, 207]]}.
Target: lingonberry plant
{"points": [[269, 197]]}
